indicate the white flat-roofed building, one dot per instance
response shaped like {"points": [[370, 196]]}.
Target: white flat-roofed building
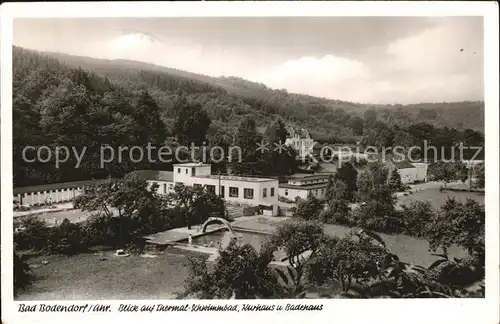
{"points": [[303, 186], [253, 191], [409, 172], [164, 179], [421, 174]]}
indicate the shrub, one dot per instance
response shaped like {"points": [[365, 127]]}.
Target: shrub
{"points": [[67, 239], [353, 258], [239, 272], [22, 273], [285, 200], [102, 229], [309, 209], [416, 216], [377, 216], [31, 233], [337, 213]]}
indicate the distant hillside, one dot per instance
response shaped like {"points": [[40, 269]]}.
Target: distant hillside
{"points": [[458, 115]]}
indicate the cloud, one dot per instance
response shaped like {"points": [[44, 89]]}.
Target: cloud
{"points": [[442, 63], [172, 52], [328, 76], [367, 60], [449, 48]]}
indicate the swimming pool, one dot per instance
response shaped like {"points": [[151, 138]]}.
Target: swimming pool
{"points": [[213, 239]]}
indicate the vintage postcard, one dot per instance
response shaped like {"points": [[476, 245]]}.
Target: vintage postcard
{"points": [[238, 161]]}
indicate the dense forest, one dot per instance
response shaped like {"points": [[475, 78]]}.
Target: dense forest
{"points": [[79, 102]]}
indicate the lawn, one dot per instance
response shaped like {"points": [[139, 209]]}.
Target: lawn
{"points": [[84, 276], [438, 198]]}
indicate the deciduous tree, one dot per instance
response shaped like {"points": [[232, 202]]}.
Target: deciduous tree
{"points": [[309, 209]]}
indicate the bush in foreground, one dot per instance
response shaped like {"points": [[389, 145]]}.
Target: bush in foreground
{"points": [[22, 273]]}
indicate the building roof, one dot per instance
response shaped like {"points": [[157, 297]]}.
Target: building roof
{"points": [[59, 186], [261, 129], [235, 178], [325, 167], [309, 176], [303, 187], [318, 146], [403, 165], [157, 175], [191, 164]]}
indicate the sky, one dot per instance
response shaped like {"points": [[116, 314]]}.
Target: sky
{"points": [[375, 60]]}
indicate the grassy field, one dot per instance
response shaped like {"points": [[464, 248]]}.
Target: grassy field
{"points": [[84, 276], [437, 198]]}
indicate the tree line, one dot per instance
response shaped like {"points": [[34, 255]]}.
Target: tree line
{"points": [[58, 104]]}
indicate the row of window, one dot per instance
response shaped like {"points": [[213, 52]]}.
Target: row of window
{"points": [[301, 182], [316, 192], [248, 193], [193, 171], [170, 186], [234, 192]]}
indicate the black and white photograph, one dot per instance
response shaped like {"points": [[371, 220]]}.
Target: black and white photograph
{"points": [[204, 158]]}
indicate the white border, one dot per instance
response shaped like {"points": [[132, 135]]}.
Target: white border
{"points": [[341, 311]]}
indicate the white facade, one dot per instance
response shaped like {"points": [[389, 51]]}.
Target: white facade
{"points": [[409, 172], [421, 174], [301, 141], [302, 193], [185, 173], [235, 189], [51, 194], [164, 187], [304, 186], [408, 175], [37, 198]]}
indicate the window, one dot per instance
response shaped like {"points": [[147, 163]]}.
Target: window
{"points": [[272, 192], [221, 193], [233, 192], [286, 192], [164, 188], [264, 193], [193, 171], [186, 171], [178, 170], [170, 185], [196, 185], [210, 189], [248, 193]]}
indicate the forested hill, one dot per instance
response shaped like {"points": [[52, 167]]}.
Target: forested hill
{"points": [[458, 115], [59, 99]]}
